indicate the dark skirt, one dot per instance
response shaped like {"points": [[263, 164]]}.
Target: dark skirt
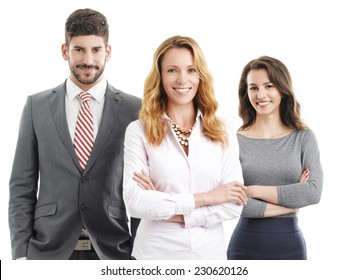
{"points": [[267, 239]]}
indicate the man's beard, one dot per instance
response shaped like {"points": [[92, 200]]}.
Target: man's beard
{"points": [[89, 80]]}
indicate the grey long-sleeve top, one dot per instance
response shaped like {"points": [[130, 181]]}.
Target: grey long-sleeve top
{"points": [[280, 162]]}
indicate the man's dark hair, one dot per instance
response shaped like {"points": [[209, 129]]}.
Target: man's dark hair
{"points": [[86, 22]]}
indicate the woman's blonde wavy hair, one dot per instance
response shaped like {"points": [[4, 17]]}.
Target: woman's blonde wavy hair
{"points": [[154, 102]]}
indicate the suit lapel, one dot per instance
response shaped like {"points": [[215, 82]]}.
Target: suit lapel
{"points": [[110, 113], [57, 105]]}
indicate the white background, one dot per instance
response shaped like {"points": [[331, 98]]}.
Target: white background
{"points": [[310, 37]]}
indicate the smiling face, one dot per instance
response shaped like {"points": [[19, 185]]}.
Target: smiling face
{"points": [[87, 56], [180, 78], [263, 95]]}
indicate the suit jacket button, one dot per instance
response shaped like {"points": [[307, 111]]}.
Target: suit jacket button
{"points": [[83, 207], [83, 179]]}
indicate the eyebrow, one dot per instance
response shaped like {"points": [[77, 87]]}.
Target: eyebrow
{"points": [[176, 66], [96, 47], [266, 83]]}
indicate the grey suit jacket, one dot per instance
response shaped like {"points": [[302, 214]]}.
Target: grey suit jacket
{"points": [[51, 198]]}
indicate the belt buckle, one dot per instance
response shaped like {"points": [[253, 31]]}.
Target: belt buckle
{"points": [[83, 245]]}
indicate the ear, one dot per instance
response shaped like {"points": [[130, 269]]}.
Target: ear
{"points": [[65, 51], [108, 52]]}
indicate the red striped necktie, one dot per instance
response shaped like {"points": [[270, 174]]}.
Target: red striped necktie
{"points": [[84, 136]]}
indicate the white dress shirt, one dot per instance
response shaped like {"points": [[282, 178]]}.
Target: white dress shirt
{"points": [[73, 104], [177, 177], [72, 109]]}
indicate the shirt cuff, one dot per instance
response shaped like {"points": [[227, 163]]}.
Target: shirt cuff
{"points": [[194, 218], [185, 203]]}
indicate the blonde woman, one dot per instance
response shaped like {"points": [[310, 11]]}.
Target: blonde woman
{"points": [[182, 174]]}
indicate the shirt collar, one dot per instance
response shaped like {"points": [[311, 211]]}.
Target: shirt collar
{"points": [[97, 91], [198, 116]]}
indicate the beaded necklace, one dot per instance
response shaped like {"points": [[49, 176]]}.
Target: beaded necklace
{"points": [[182, 135]]}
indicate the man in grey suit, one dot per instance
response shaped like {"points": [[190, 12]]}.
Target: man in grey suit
{"points": [[60, 208]]}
